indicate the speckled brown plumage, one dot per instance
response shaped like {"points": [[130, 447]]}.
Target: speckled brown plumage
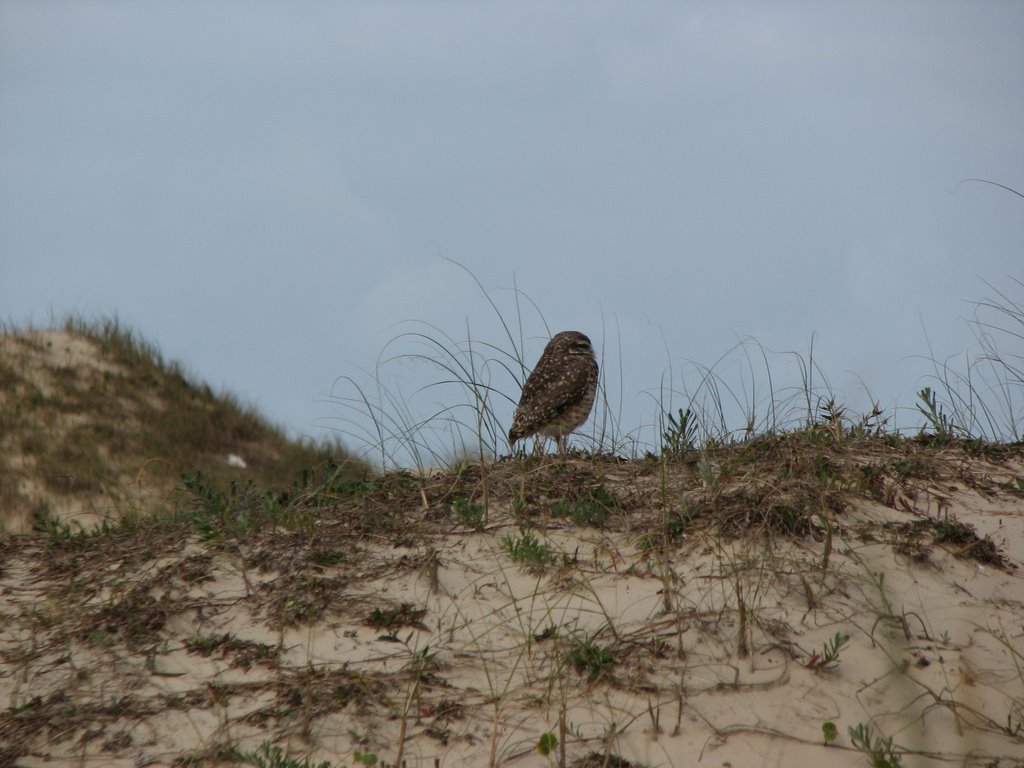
{"points": [[559, 394]]}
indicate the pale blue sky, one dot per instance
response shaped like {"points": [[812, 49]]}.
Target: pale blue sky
{"points": [[265, 189]]}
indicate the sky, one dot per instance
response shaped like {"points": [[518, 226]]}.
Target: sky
{"points": [[271, 192]]}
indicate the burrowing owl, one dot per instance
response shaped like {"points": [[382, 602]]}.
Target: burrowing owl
{"points": [[559, 394]]}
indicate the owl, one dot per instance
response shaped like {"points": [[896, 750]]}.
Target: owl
{"points": [[559, 394]]}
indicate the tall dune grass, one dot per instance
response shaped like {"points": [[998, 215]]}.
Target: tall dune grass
{"points": [[982, 391], [474, 383]]}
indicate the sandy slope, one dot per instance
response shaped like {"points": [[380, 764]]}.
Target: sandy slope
{"points": [[96, 425], [481, 663]]}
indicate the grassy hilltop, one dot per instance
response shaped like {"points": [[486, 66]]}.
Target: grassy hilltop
{"points": [[95, 425], [825, 594]]}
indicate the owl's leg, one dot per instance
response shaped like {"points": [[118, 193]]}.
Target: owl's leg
{"points": [[563, 444]]}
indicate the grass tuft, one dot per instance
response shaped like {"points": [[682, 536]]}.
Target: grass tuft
{"points": [[590, 658], [879, 749], [526, 549]]}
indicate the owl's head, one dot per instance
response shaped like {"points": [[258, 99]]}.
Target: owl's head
{"points": [[571, 343]]}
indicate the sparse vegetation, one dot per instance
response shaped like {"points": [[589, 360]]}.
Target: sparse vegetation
{"points": [[879, 749], [97, 417], [527, 549], [829, 732], [391, 619], [265, 608], [364, 758], [943, 429], [273, 756], [829, 656], [680, 434], [468, 513], [546, 743], [591, 506], [292, 560], [592, 659]]}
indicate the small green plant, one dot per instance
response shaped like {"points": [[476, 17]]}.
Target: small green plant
{"points": [[216, 514], [831, 415], [829, 732], [365, 758], [208, 499], [468, 513], [680, 435], [829, 656], [825, 471], [546, 743], [59, 531], [942, 426], [834, 418], [272, 756], [879, 749], [405, 615], [527, 549], [588, 657], [549, 632], [328, 557], [591, 508]]}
